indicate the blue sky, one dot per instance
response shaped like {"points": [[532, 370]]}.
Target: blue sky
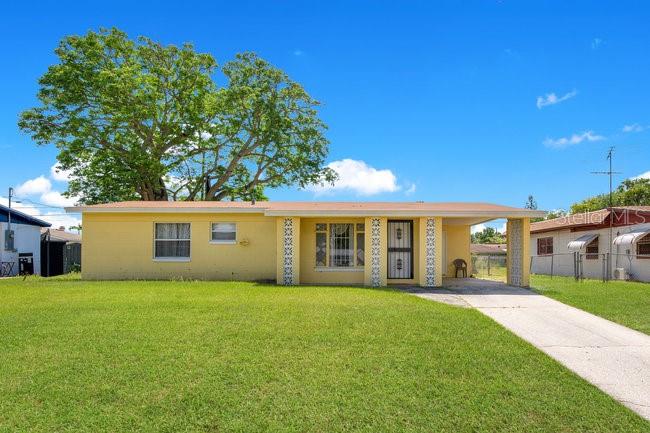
{"points": [[433, 101]]}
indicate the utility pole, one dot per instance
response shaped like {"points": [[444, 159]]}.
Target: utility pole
{"points": [[610, 173], [9, 244], [11, 193]]}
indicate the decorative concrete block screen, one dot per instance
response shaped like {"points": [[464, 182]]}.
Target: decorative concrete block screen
{"points": [[287, 279], [515, 253], [375, 252], [430, 252]]}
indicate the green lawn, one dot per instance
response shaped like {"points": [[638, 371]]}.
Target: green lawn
{"points": [[624, 302], [218, 357]]}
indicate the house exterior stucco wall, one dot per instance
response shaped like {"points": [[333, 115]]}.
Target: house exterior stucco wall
{"points": [[457, 244], [120, 246]]}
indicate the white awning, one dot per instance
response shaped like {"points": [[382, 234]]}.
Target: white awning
{"points": [[581, 242], [633, 235]]}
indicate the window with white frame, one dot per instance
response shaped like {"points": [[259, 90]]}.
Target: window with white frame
{"points": [[340, 245], [172, 241], [224, 233]]}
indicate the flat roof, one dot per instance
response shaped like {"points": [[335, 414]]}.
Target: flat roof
{"points": [[314, 208]]}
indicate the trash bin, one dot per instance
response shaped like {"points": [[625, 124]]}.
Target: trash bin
{"points": [[26, 263]]}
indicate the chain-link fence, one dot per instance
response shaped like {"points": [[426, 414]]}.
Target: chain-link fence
{"points": [[580, 265], [602, 266], [489, 266]]}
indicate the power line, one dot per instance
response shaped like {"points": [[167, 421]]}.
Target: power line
{"points": [[43, 215], [40, 204], [42, 208]]}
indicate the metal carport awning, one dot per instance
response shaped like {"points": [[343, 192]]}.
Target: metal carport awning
{"points": [[581, 242], [632, 236]]}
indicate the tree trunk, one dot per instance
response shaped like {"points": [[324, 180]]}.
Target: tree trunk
{"points": [[150, 192], [160, 193]]}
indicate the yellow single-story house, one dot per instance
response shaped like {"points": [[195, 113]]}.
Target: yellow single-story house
{"points": [[362, 243]]}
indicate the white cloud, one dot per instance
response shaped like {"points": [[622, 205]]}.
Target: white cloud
{"points": [[503, 228], [39, 185], [596, 43], [645, 175], [58, 220], [60, 175], [411, 189], [298, 53], [635, 127], [552, 99], [477, 228], [560, 143], [53, 216], [360, 178], [42, 187], [55, 198]]}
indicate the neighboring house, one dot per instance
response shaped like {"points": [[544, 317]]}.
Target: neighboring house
{"points": [[488, 249], [488, 257], [60, 251], [26, 245], [554, 242], [371, 244]]}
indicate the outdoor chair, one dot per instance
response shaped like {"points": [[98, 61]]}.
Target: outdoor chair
{"points": [[460, 265]]}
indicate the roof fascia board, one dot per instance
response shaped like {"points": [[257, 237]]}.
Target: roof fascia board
{"points": [[316, 212], [409, 213], [88, 209]]}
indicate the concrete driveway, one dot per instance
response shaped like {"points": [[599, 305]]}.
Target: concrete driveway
{"points": [[614, 358]]}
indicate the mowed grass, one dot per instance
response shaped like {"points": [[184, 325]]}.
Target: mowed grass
{"points": [[218, 357], [624, 302]]}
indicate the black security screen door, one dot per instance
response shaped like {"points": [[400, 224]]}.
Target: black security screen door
{"points": [[400, 249]]}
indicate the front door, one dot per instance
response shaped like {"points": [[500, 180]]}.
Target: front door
{"points": [[400, 249]]}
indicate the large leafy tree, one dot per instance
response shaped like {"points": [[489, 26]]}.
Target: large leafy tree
{"points": [[489, 235], [266, 132], [631, 192], [136, 119]]}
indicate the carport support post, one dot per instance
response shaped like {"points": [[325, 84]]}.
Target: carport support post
{"points": [[518, 246], [430, 252], [288, 251]]}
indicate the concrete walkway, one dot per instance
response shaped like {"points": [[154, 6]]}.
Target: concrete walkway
{"points": [[614, 358]]}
